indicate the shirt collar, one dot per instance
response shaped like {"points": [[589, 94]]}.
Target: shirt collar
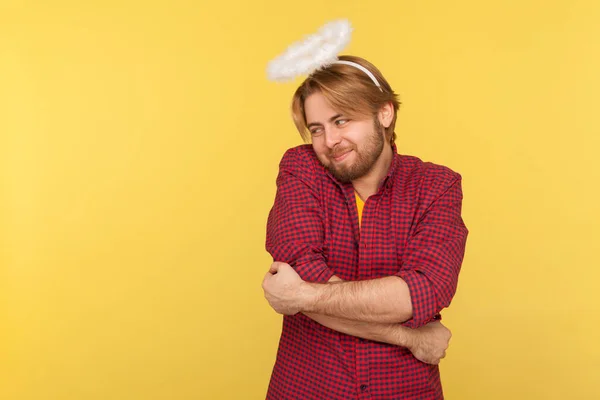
{"points": [[394, 166], [388, 181]]}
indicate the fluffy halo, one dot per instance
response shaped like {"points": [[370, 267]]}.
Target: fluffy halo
{"points": [[315, 51]]}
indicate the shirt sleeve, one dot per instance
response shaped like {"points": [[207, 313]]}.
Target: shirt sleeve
{"points": [[435, 253], [295, 227]]}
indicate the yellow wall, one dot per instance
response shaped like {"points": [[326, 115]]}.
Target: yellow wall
{"points": [[138, 152]]}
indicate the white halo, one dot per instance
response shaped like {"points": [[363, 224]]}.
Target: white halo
{"points": [[315, 51]]}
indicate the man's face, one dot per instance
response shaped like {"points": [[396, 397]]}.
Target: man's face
{"points": [[347, 147]]}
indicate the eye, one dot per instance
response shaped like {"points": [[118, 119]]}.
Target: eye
{"points": [[341, 122], [315, 131]]}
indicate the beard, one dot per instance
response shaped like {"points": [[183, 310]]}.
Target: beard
{"points": [[365, 157]]}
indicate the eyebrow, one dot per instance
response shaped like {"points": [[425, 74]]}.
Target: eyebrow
{"points": [[336, 116]]}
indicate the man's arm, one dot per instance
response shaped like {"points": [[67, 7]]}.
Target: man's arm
{"points": [[288, 294], [380, 332], [295, 227], [382, 300], [427, 343]]}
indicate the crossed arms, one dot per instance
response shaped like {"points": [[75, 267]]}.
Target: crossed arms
{"points": [[288, 294]]}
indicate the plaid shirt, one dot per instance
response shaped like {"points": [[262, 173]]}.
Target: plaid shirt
{"points": [[411, 228]]}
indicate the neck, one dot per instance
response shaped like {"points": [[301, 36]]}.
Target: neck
{"points": [[369, 183]]}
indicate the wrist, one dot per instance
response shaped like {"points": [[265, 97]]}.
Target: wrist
{"points": [[405, 337], [309, 295]]}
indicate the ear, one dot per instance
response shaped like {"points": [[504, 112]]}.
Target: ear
{"points": [[386, 114]]}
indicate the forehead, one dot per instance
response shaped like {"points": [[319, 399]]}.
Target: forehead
{"points": [[318, 109]]}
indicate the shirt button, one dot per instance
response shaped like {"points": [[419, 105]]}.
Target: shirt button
{"points": [[363, 387]]}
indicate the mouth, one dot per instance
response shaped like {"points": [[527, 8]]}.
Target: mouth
{"points": [[342, 156]]}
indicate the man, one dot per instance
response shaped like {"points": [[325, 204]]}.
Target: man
{"points": [[367, 244]]}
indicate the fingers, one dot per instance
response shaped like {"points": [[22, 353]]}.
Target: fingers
{"points": [[433, 361], [439, 359], [274, 267], [433, 358], [436, 361], [265, 278]]}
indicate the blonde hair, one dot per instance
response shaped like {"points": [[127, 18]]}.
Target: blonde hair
{"points": [[349, 90]]}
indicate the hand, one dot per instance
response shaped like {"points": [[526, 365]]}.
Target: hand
{"points": [[430, 342], [284, 289]]}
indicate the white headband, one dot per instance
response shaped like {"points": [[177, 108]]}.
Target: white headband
{"points": [[363, 69], [316, 51]]}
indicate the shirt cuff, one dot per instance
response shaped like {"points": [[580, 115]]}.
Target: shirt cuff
{"points": [[315, 271], [422, 297]]}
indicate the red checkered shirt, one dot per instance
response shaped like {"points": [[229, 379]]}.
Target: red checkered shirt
{"points": [[411, 228]]}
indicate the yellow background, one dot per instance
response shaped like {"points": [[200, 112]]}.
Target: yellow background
{"points": [[139, 144]]}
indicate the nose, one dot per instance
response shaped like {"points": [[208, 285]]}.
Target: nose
{"points": [[332, 137]]}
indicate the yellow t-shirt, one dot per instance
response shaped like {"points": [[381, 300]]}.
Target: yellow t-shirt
{"points": [[359, 206]]}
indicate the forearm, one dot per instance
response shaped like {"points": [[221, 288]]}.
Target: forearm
{"points": [[383, 300], [394, 334]]}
